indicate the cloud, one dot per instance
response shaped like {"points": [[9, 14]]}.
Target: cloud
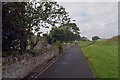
{"points": [[87, 0], [94, 18]]}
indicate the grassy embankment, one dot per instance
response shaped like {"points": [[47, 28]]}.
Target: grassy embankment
{"points": [[84, 43], [103, 58]]}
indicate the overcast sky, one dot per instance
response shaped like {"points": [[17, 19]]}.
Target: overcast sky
{"points": [[93, 17]]}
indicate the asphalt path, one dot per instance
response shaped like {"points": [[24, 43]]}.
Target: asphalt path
{"points": [[70, 65]]}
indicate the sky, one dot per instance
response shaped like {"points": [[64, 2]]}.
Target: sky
{"points": [[93, 17], [87, 0]]}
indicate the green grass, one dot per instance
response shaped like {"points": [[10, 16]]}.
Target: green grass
{"points": [[103, 58], [72, 44], [84, 43]]}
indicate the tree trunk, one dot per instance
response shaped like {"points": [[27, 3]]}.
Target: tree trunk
{"points": [[23, 44]]}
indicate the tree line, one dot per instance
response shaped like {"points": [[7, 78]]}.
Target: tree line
{"points": [[62, 35]]}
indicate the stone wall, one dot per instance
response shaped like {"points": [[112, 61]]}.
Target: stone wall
{"points": [[66, 46], [21, 65]]}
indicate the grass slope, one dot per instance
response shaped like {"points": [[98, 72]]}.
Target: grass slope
{"points": [[103, 58], [84, 43]]}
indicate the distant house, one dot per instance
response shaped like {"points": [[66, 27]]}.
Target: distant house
{"points": [[85, 39]]}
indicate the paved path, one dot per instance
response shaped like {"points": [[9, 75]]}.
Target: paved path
{"points": [[70, 65]]}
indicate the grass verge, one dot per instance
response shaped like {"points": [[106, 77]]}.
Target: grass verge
{"points": [[84, 43], [102, 57]]}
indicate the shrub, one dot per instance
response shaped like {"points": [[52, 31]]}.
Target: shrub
{"points": [[30, 51], [59, 44]]}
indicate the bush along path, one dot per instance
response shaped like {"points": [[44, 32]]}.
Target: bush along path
{"points": [[88, 44], [70, 65]]}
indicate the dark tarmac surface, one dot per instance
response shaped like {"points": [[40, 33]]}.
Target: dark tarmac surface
{"points": [[70, 65]]}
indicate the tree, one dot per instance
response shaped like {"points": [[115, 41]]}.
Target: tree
{"points": [[95, 38], [72, 27], [21, 20], [11, 30], [62, 35], [84, 39]]}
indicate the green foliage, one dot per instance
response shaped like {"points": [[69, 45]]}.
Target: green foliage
{"points": [[22, 20], [103, 59], [59, 44], [72, 26], [30, 51], [62, 35], [72, 44], [95, 38], [33, 41], [8, 53], [84, 38]]}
